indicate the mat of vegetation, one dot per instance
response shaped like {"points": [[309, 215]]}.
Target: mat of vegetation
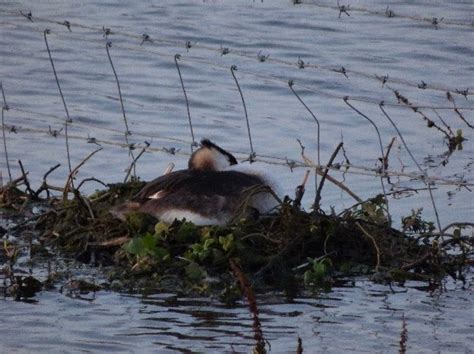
{"points": [[288, 251]]}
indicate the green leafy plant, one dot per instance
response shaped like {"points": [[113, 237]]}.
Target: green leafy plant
{"points": [[372, 210], [227, 242], [146, 246], [201, 250], [317, 276], [195, 272]]}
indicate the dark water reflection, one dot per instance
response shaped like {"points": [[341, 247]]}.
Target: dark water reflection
{"points": [[363, 317]]}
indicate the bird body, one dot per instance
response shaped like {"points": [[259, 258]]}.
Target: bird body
{"points": [[209, 192]]}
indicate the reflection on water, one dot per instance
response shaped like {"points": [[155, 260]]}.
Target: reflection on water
{"points": [[358, 317]]}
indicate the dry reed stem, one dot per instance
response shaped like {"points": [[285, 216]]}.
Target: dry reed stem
{"points": [[68, 118], [300, 190], [91, 179], [169, 168], [444, 123], [416, 190], [389, 148], [387, 208], [252, 156], [117, 81], [299, 349], [193, 144], [44, 185], [68, 186], [30, 191], [317, 169], [377, 249], [458, 224], [133, 164], [291, 84], [323, 179], [5, 108], [425, 175], [420, 260], [403, 336], [248, 292]]}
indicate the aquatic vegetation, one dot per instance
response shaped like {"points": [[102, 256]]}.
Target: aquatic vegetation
{"points": [[317, 276], [291, 250]]}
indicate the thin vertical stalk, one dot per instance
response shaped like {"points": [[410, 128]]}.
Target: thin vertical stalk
{"points": [[325, 173], [423, 172], [68, 118], [252, 152], [5, 108], [346, 101], [318, 196], [127, 130], [193, 144]]}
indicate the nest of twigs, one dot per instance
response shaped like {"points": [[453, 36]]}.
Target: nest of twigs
{"points": [[291, 249]]}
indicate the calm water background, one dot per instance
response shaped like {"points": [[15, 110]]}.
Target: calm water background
{"points": [[365, 316]]}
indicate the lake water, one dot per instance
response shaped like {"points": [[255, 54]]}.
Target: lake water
{"points": [[361, 317], [409, 51]]}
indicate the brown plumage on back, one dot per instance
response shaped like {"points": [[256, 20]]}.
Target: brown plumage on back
{"points": [[198, 182], [203, 194]]}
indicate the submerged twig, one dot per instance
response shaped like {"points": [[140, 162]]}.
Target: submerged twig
{"points": [[252, 156], [193, 144], [290, 84]]}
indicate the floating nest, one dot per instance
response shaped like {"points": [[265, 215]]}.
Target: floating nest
{"points": [[290, 250]]}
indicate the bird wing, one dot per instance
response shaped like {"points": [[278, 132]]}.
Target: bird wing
{"points": [[198, 182]]}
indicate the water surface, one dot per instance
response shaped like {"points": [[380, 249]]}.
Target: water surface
{"points": [[360, 317]]}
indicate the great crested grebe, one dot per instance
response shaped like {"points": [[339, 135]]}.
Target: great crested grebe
{"points": [[212, 191]]}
